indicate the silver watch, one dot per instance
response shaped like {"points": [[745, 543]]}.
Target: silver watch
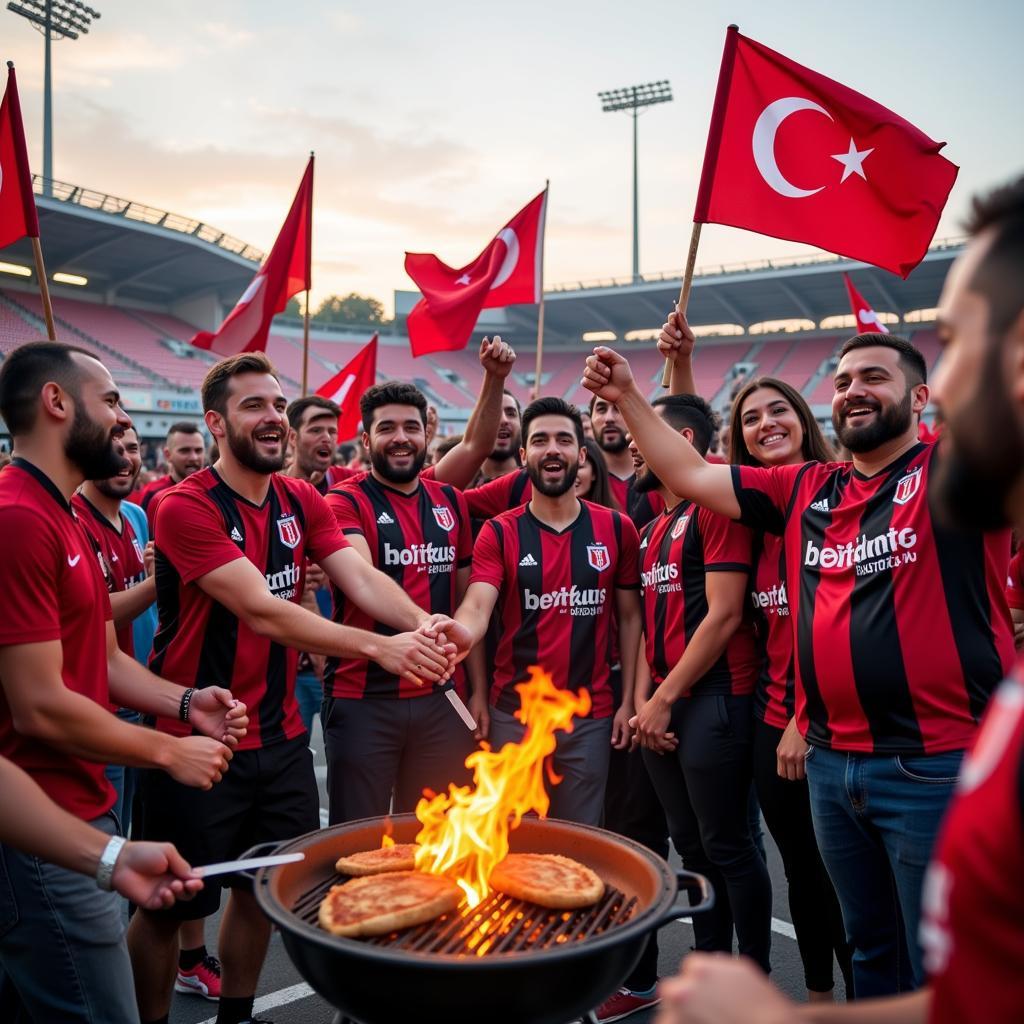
{"points": [[105, 870]]}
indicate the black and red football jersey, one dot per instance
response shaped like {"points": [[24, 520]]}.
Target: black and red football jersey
{"points": [[556, 597], [418, 539], [902, 626], [972, 928], [641, 508], [499, 495], [775, 693], [1015, 581], [677, 551], [122, 557], [53, 589], [202, 524]]}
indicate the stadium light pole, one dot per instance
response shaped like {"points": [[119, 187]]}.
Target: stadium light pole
{"points": [[55, 19], [634, 99]]}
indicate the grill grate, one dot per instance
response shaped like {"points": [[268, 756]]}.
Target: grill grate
{"points": [[500, 924]]}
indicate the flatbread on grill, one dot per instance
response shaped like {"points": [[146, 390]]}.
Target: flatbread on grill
{"points": [[400, 857], [378, 904], [547, 879]]}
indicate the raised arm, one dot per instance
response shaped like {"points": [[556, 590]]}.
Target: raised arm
{"points": [[676, 343], [667, 452], [460, 466]]}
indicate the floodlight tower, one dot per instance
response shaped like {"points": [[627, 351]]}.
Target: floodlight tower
{"points": [[634, 99], [55, 19]]}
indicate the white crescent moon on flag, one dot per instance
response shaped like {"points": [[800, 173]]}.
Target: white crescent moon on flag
{"points": [[511, 240], [254, 286], [763, 143]]}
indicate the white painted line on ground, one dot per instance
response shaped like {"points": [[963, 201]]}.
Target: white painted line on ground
{"points": [[272, 1000], [778, 925], [324, 817]]}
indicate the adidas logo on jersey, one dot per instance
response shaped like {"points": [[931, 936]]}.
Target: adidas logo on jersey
{"points": [[527, 559], [235, 535], [820, 506], [385, 520]]}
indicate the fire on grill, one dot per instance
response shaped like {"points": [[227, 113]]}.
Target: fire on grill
{"points": [[494, 955]]}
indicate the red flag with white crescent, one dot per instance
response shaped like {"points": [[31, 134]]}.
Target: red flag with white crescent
{"points": [[349, 384], [285, 272], [17, 203], [796, 155], [866, 317], [507, 272]]}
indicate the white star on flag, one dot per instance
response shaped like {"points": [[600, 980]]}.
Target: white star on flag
{"points": [[852, 161], [465, 279]]}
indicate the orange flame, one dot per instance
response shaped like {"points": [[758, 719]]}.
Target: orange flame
{"points": [[465, 831], [389, 828]]}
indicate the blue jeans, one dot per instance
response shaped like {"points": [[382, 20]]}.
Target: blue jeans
{"points": [[124, 780], [876, 818], [309, 692], [62, 949]]}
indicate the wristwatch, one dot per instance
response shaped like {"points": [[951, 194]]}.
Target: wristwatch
{"points": [[105, 870]]}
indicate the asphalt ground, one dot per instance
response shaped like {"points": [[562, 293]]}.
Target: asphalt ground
{"points": [[284, 998]]}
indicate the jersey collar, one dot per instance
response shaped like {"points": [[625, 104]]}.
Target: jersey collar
{"points": [[44, 481]]}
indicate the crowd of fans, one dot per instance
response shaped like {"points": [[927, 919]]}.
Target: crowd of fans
{"points": [[766, 631]]}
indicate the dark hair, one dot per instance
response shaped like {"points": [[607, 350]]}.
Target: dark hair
{"points": [[690, 411], [519, 408], [998, 276], [183, 427], [552, 407], [601, 489], [915, 369], [814, 449], [215, 383], [26, 370], [391, 392], [445, 445], [296, 410]]}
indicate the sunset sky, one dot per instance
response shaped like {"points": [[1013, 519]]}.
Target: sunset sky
{"points": [[433, 123]]}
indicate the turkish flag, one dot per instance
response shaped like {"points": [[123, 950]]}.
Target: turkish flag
{"points": [[349, 384], [506, 272], [285, 272], [866, 317], [796, 155], [17, 204]]}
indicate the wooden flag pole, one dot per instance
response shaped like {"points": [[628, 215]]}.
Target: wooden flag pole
{"points": [[44, 289], [305, 346], [684, 292], [540, 312]]}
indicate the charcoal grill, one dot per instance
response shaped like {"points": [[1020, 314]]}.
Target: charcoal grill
{"points": [[504, 961]]}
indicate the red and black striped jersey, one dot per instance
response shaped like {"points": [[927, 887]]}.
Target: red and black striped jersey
{"points": [[202, 524], [1015, 581], [123, 563], [775, 693], [902, 627], [420, 540], [642, 508], [149, 492], [973, 903], [677, 551], [556, 597]]}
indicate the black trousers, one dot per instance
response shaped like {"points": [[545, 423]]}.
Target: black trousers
{"points": [[704, 786], [632, 808], [377, 747], [817, 918]]}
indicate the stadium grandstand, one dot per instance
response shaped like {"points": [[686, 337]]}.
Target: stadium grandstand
{"points": [[133, 284]]}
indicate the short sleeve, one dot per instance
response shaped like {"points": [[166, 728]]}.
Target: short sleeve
{"points": [[323, 537], [464, 547], [728, 546], [1015, 582], [764, 494], [190, 534], [29, 597], [490, 499], [344, 505], [488, 564], [627, 572]]}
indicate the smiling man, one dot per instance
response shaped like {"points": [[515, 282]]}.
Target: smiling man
{"points": [[902, 627]]}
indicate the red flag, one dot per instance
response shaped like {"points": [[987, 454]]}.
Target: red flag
{"points": [[796, 155], [285, 272], [349, 384], [866, 317], [17, 204], [506, 272]]}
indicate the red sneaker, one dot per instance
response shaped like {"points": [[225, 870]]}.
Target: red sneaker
{"points": [[624, 1003], [201, 980]]}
